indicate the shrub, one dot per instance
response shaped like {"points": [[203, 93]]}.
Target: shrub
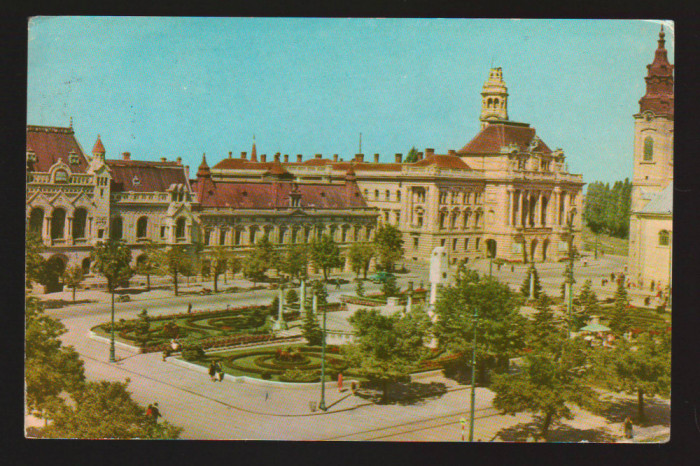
{"points": [[193, 353], [299, 376], [266, 375]]}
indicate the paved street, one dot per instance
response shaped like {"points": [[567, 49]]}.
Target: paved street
{"points": [[238, 409]]}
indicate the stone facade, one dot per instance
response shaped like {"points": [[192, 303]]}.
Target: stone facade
{"points": [[651, 220]]}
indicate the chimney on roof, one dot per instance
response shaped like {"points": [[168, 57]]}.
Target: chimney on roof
{"points": [[263, 158], [244, 155], [318, 156], [163, 159], [298, 158], [451, 152], [359, 157], [286, 158], [420, 155], [126, 155], [398, 158], [230, 154], [277, 157], [179, 160], [429, 152], [335, 157], [376, 158]]}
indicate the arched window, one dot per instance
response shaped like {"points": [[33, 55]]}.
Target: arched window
{"points": [[376, 194], [58, 220], [387, 195], [115, 230], [663, 238], [36, 220], [79, 221], [180, 227], [142, 227], [648, 149], [489, 103], [61, 176], [398, 195]]}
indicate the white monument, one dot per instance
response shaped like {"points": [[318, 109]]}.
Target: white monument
{"points": [[439, 263]]}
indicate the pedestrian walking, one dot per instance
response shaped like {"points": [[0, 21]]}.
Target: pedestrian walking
{"points": [[218, 371], [612, 277], [189, 308], [212, 371], [221, 375], [267, 396], [628, 428], [340, 382], [512, 268], [651, 288], [155, 412]]}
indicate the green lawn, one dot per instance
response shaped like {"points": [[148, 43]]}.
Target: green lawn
{"points": [[608, 244]]}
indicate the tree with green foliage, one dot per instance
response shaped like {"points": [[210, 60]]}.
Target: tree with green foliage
{"points": [[143, 326], [112, 259], [360, 288], [412, 155], [387, 347], [218, 257], [325, 254], [641, 367], [360, 256], [291, 297], [389, 287], [295, 260], [501, 328], [50, 367], [587, 305], [310, 329], [234, 266], [34, 262], [607, 209], [551, 379], [259, 260], [105, 410], [620, 320], [319, 289], [72, 277], [544, 332], [388, 246], [147, 263], [525, 287], [176, 262]]}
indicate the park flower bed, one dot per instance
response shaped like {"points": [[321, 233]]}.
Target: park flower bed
{"points": [[220, 342]]}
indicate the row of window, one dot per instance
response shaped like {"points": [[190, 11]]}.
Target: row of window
{"points": [[460, 198], [455, 243], [292, 235], [387, 195]]}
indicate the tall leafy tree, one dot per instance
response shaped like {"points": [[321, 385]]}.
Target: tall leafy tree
{"points": [[219, 260], [360, 256], [105, 410], [544, 331], [525, 287], [50, 367], [72, 277], [325, 254], [35, 263], [387, 347], [501, 328], [389, 287], [234, 266], [587, 305], [295, 261], [310, 329], [260, 260], [175, 262], [620, 321], [388, 245], [148, 262], [111, 259], [551, 379], [641, 367]]}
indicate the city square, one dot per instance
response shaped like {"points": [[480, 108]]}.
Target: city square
{"points": [[398, 298]]}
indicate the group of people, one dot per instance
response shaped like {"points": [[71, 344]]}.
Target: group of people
{"points": [[153, 413], [215, 371]]}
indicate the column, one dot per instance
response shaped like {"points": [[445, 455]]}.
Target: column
{"points": [[523, 195], [89, 234], [538, 219], [47, 228], [567, 199], [509, 207], [555, 207], [68, 230]]}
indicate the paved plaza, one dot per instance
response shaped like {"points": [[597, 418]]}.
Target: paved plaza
{"points": [[239, 408]]}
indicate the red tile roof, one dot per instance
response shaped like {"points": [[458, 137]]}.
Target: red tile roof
{"points": [[242, 164], [152, 176], [442, 161], [498, 134], [276, 195], [659, 96], [51, 144]]}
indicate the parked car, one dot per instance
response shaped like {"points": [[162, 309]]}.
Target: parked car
{"points": [[123, 298], [381, 277]]}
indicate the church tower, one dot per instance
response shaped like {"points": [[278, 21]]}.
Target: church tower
{"points": [[653, 131], [494, 98]]}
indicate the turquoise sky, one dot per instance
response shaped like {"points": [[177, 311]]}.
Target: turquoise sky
{"points": [[169, 87]]}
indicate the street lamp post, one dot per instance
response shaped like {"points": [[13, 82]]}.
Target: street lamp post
{"points": [[570, 272], [112, 357], [471, 417], [322, 404]]}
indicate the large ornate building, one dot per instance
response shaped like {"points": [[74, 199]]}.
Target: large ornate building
{"points": [[651, 221], [505, 194]]}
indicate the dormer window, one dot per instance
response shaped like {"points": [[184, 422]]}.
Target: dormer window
{"points": [[73, 158], [31, 156], [136, 181]]}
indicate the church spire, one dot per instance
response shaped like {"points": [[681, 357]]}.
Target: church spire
{"points": [[494, 98], [203, 170], [659, 79]]}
